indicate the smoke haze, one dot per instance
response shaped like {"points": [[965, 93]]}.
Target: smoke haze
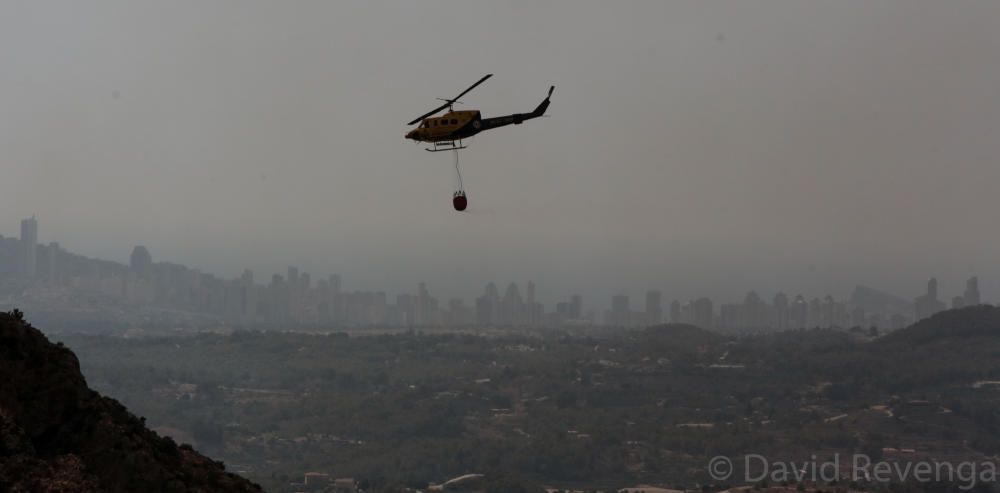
{"points": [[702, 148]]}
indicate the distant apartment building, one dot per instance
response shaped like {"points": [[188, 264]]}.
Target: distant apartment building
{"points": [[29, 248], [654, 307], [971, 295], [620, 314], [928, 304], [141, 262], [779, 311]]}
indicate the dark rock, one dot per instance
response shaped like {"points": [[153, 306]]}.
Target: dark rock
{"points": [[57, 435]]}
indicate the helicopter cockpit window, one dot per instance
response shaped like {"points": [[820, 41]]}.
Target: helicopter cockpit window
{"points": [[454, 121]]}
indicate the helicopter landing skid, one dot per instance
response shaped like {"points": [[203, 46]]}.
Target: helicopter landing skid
{"points": [[449, 145]]}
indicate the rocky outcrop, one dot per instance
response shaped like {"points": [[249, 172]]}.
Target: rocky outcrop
{"points": [[58, 435]]}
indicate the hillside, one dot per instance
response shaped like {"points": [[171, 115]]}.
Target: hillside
{"points": [[961, 323], [56, 434]]}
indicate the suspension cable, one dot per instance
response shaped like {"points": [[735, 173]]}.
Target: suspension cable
{"points": [[458, 172]]}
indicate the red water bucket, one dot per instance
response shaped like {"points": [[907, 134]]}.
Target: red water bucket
{"points": [[459, 201]]}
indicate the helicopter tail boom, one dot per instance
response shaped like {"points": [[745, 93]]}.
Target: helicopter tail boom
{"points": [[518, 118]]}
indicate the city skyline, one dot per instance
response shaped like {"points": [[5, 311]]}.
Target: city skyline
{"points": [[293, 297]]}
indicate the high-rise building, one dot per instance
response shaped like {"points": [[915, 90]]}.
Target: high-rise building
{"points": [[52, 262], [798, 313], [576, 307], [278, 300], [675, 312], [531, 313], [620, 313], [427, 306], [815, 315], [141, 262], [512, 306], [403, 313], [780, 311], [562, 309], [858, 317], [971, 295], [702, 313], [753, 311], [487, 306], [928, 304], [827, 312], [654, 307], [247, 296], [29, 248]]}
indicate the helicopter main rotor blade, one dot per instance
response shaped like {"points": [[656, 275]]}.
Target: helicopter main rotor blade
{"points": [[449, 102], [429, 113], [473, 86]]}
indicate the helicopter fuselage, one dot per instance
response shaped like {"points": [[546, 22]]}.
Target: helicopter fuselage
{"points": [[453, 125], [458, 125]]}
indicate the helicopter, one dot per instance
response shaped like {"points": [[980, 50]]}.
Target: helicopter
{"points": [[446, 132]]}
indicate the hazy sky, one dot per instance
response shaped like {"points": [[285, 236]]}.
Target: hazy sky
{"points": [[698, 147]]}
